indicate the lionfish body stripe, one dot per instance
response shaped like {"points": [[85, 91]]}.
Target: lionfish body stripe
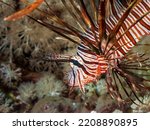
{"points": [[105, 43]]}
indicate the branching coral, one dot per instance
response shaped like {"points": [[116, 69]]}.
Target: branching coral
{"points": [[6, 103], [9, 76], [49, 85], [26, 93]]}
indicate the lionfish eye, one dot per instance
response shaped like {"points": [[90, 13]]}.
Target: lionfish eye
{"points": [[75, 62]]}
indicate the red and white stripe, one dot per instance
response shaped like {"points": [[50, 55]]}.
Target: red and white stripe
{"points": [[126, 40]]}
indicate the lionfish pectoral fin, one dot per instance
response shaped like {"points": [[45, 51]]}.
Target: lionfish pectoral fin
{"points": [[118, 87], [24, 11]]}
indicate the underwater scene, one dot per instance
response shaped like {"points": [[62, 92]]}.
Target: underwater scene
{"points": [[74, 56]]}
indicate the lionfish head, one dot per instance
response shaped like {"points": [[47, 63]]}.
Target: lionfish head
{"points": [[86, 67]]}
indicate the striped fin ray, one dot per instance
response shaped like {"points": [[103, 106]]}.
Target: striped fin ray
{"points": [[135, 25], [123, 86], [134, 68], [24, 11], [95, 13], [89, 20], [101, 18], [86, 16], [86, 37], [59, 21], [56, 29], [73, 14], [89, 36], [115, 85], [131, 76], [84, 20], [78, 11]]}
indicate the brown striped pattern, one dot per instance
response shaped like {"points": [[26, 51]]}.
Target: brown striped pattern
{"points": [[132, 29]]}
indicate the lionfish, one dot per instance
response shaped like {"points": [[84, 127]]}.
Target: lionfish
{"points": [[108, 32]]}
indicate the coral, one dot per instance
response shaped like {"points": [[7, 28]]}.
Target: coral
{"points": [[6, 104], [49, 85], [4, 109], [99, 88], [105, 104], [4, 42], [2, 97], [55, 105], [26, 92], [140, 108], [93, 92], [9, 76]]}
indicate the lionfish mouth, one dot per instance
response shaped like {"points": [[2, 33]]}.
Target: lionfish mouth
{"points": [[109, 32]]}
